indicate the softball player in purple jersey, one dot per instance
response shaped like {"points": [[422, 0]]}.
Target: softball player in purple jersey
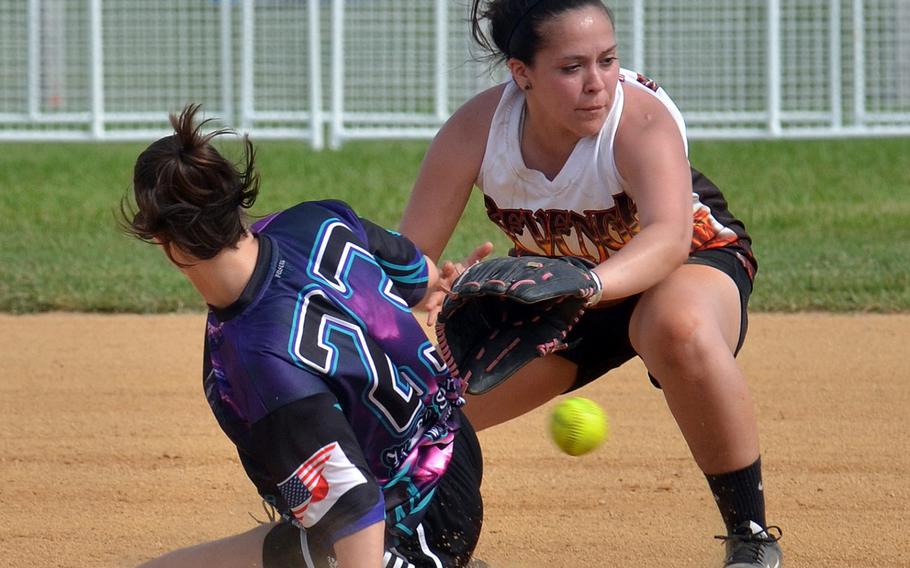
{"points": [[344, 416]]}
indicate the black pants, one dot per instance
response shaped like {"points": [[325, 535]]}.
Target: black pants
{"points": [[601, 337]]}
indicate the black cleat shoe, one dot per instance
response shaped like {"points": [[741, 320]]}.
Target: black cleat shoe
{"points": [[751, 546]]}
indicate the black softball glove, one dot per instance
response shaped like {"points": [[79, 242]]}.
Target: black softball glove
{"points": [[503, 312]]}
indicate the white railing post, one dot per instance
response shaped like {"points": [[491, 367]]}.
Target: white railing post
{"points": [[96, 41], [337, 74], [834, 61], [774, 68], [52, 47], [317, 136], [34, 58], [638, 36], [442, 60], [859, 63], [227, 63], [902, 55], [246, 65]]}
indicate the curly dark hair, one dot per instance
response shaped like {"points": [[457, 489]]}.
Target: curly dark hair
{"points": [[187, 194]]}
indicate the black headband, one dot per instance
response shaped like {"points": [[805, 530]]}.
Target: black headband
{"points": [[518, 23]]}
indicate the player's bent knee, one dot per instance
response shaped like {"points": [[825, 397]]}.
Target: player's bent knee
{"points": [[676, 336], [676, 345]]}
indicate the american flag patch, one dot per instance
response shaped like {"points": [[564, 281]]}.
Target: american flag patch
{"points": [[318, 483]]}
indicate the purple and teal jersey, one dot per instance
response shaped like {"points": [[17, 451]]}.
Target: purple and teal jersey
{"points": [[342, 411]]}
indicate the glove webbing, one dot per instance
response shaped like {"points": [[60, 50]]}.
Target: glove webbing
{"points": [[552, 346]]}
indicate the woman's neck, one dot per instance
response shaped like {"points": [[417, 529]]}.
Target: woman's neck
{"points": [[221, 279], [544, 148]]}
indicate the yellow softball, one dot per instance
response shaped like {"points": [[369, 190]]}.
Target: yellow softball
{"points": [[578, 425]]}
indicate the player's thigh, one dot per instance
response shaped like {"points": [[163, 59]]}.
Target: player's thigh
{"points": [[239, 551], [531, 386], [695, 303]]}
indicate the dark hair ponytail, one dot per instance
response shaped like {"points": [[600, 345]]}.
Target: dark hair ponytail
{"points": [[515, 25], [187, 194]]}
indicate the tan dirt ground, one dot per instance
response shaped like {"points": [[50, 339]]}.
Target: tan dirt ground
{"points": [[110, 456]]}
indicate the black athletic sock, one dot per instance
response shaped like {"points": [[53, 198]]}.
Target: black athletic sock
{"points": [[739, 495]]}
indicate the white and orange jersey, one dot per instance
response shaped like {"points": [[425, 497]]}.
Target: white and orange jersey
{"points": [[584, 211]]}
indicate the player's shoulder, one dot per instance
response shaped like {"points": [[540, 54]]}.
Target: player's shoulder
{"points": [[325, 207], [249, 368], [458, 148], [482, 105], [307, 213], [649, 114], [472, 120], [646, 122], [643, 110]]}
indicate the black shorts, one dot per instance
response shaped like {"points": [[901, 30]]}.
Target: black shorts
{"points": [[446, 536], [610, 326]]}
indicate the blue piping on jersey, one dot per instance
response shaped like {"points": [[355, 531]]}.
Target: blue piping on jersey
{"points": [[414, 279], [414, 266], [436, 370], [294, 324], [411, 383], [400, 475], [355, 333], [383, 419], [428, 354], [401, 514], [422, 386], [406, 385], [352, 252], [350, 313], [424, 502], [292, 336]]}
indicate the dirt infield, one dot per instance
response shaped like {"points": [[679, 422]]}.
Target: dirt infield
{"points": [[110, 455]]}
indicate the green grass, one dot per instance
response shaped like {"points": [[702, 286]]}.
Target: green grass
{"points": [[830, 219]]}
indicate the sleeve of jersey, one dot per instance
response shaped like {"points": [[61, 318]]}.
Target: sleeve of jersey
{"points": [[309, 450], [400, 259]]}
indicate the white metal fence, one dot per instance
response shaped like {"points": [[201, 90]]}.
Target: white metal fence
{"points": [[350, 69]]}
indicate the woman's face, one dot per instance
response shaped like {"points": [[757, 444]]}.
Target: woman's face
{"points": [[575, 71]]}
